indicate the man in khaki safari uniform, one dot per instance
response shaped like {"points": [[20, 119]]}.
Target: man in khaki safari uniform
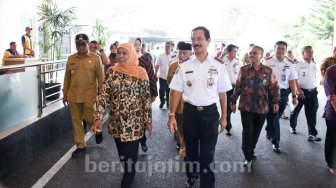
{"points": [[83, 77]]}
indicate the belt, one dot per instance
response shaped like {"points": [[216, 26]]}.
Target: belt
{"points": [[200, 108], [309, 90]]}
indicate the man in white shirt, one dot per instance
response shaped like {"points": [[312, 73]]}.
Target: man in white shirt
{"points": [[232, 66], [285, 73], [202, 82], [161, 67], [306, 84]]}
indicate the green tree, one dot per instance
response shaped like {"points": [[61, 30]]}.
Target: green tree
{"points": [[321, 19], [101, 33], [55, 23]]}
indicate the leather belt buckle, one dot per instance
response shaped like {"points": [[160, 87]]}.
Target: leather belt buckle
{"points": [[199, 108]]}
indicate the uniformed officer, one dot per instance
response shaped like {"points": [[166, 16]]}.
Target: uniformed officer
{"points": [[232, 66], [285, 74], [202, 82], [83, 77], [306, 84], [184, 53]]}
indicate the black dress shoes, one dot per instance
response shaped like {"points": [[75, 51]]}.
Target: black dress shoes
{"points": [[276, 148], [78, 152], [99, 137], [144, 147], [191, 182]]}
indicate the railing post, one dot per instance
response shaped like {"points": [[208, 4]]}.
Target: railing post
{"points": [[39, 92]]}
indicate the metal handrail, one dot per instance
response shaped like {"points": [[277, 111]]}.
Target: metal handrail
{"points": [[56, 85], [30, 64]]}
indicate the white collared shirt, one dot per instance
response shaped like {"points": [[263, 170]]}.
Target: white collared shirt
{"points": [[232, 67], [306, 72], [284, 71], [163, 62], [201, 82]]}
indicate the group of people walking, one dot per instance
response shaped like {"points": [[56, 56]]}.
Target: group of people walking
{"points": [[194, 84]]}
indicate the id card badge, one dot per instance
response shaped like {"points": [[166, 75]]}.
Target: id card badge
{"points": [[235, 70], [283, 77], [210, 83]]}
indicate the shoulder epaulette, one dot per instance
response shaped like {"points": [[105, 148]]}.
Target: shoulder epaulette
{"points": [[185, 60], [217, 59], [289, 60]]}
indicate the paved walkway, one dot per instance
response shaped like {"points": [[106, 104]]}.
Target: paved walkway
{"points": [[300, 164]]}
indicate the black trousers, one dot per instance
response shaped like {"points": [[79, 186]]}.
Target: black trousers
{"points": [[164, 91], [273, 124], [283, 99], [252, 125], [311, 105], [228, 110], [330, 144], [200, 130], [128, 155]]}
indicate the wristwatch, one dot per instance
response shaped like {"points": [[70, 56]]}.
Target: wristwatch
{"points": [[171, 114], [101, 50], [293, 96]]}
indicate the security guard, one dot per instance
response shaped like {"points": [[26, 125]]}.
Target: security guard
{"points": [[203, 82], [232, 66], [83, 77], [306, 84], [285, 74]]}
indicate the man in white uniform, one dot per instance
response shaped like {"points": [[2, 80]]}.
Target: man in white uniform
{"points": [[285, 73], [232, 66], [306, 84], [202, 82]]}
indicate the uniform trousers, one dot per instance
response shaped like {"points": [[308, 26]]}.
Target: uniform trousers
{"points": [[80, 112], [179, 134], [330, 144], [200, 130], [273, 125], [252, 125], [284, 93], [228, 110], [273, 118], [311, 105]]}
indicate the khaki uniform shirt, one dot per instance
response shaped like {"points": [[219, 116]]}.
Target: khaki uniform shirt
{"points": [[83, 76], [171, 71]]}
